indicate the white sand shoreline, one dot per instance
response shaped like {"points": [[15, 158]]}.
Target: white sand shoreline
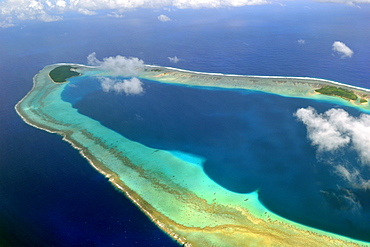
{"points": [[325, 81]]}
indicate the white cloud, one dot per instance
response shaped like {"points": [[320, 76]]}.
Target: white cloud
{"points": [[129, 86], [53, 10], [348, 2], [42, 10], [336, 129], [321, 131], [116, 15], [194, 4], [59, 3], [86, 11], [118, 65], [163, 18], [301, 41], [7, 22], [343, 172], [352, 177], [174, 59], [342, 49], [352, 201]]}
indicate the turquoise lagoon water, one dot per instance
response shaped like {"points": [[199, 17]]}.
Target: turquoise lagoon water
{"points": [[245, 140]]}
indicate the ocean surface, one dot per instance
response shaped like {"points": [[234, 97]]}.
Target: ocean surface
{"points": [[50, 196]]}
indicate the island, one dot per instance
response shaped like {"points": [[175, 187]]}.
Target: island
{"points": [[61, 73], [340, 92], [176, 194], [299, 87]]}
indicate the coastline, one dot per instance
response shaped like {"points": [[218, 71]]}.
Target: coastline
{"points": [[295, 87], [133, 169], [325, 81]]}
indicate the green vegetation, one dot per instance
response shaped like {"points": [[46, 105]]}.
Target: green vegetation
{"points": [[363, 101], [337, 91], [62, 73], [156, 70]]}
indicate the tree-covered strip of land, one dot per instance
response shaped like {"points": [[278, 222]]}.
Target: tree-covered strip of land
{"points": [[62, 73], [337, 91]]}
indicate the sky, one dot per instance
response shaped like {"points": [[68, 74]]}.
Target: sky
{"points": [[14, 12]]}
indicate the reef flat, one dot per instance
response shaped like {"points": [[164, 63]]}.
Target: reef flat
{"points": [[299, 87], [175, 193]]}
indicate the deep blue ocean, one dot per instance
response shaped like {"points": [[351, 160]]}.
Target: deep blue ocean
{"points": [[50, 196]]}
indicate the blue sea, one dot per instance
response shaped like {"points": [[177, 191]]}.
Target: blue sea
{"points": [[51, 196]]}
